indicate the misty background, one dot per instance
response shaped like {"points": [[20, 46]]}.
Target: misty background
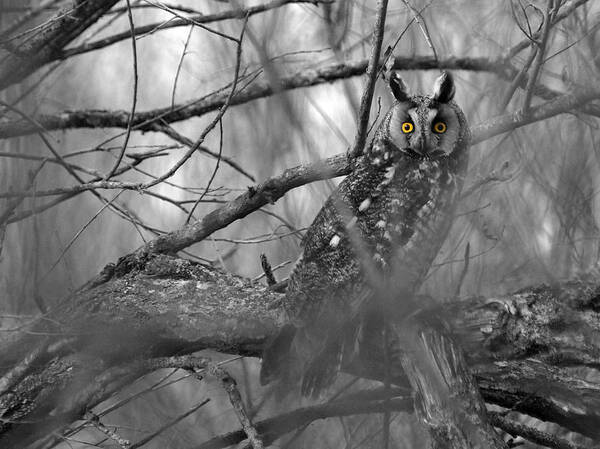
{"points": [[531, 217]]}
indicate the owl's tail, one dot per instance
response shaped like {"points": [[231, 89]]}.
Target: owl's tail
{"points": [[276, 355], [296, 354], [323, 369]]}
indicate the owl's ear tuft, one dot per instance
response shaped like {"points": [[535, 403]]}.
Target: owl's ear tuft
{"points": [[443, 89], [398, 87]]}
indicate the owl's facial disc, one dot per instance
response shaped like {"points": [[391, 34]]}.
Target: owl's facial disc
{"points": [[423, 129]]}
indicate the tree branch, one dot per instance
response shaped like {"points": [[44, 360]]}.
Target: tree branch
{"points": [[27, 56], [147, 121], [171, 306]]}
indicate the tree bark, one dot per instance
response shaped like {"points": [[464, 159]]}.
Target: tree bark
{"points": [[521, 347]]}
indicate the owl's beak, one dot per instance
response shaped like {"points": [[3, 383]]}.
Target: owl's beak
{"points": [[418, 146]]}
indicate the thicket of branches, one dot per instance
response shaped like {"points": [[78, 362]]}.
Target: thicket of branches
{"points": [[151, 151]]}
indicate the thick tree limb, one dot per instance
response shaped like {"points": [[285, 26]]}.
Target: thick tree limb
{"points": [[170, 306]]}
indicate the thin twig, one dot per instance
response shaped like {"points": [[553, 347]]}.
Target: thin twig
{"points": [[517, 80], [274, 188], [77, 234], [516, 49], [166, 426], [464, 271], [179, 22], [213, 123], [192, 21], [212, 176], [275, 268], [180, 64], [268, 271], [110, 433], [273, 428], [33, 12], [229, 385], [423, 27], [150, 120], [112, 171], [539, 59], [178, 137]]}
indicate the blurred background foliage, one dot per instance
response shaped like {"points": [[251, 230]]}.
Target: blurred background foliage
{"points": [[536, 222]]}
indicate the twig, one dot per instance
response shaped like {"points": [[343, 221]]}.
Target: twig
{"points": [[40, 131], [493, 176], [268, 272], [274, 188], [199, 19], [46, 46], [464, 271], [516, 49], [28, 213], [212, 176], [112, 171], [166, 426], [539, 59], [77, 234], [275, 268], [111, 434], [149, 120], [517, 80], [180, 8], [372, 71], [12, 205], [273, 428], [32, 13], [170, 131], [229, 385], [213, 123], [423, 27], [190, 20], [180, 64]]}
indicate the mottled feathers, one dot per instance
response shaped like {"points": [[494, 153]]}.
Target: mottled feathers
{"points": [[382, 226]]}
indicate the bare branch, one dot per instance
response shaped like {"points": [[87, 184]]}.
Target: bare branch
{"points": [[230, 386], [238, 13], [149, 120], [275, 427], [274, 188], [112, 171], [169, 424], [372, 72], [47, 45]]}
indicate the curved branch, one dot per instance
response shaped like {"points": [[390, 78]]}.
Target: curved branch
{"points": [[147, 121]]}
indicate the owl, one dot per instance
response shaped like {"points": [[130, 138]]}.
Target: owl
{"points": [[380, 230]]}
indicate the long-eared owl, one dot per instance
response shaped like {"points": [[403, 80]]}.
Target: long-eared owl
{"points": [[383, 225]]}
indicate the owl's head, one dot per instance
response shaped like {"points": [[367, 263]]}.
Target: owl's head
{"points": [[430, 126]]}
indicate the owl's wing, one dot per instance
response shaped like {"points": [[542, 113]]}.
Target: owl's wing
{"points": [[317, 297]]}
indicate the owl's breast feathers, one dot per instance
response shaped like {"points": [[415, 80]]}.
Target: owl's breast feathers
{"points": [[388, 214], [387, 219]]}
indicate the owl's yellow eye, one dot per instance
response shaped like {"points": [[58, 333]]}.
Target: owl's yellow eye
{"points": [[439, 127], [407, 127]]}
